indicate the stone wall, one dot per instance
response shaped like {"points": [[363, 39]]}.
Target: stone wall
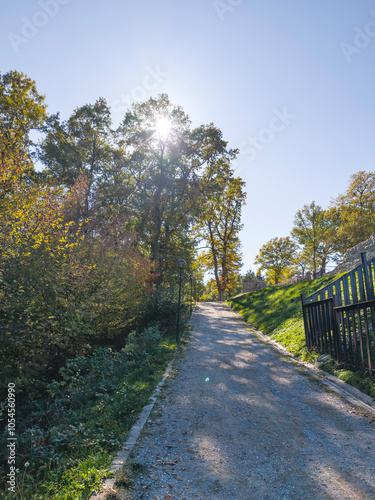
{"points": [[295, 279], [352, 257], [253, 285]]}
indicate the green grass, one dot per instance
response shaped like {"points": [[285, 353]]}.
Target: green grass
{"points": [[277, 312], [272, 309], [69, 440], [357, 379]]}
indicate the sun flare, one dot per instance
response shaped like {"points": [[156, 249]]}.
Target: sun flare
{"points": [[163, 127]]}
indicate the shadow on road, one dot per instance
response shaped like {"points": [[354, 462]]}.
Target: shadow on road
{"points": [[239, 422]]}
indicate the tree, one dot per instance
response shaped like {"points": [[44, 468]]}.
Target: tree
{"points": [[163, 159], [354, 211], [220, 224], [301, 262], [22, 109], [314, 229], [276, 257], [328, 250], [147, 173], [80, 147], [34, 245], [306, 230]]}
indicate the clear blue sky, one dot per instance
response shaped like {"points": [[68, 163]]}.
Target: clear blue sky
{"points": [[274, 75]]}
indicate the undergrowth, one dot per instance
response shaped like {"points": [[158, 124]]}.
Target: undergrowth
{"points": [[67, 440]]}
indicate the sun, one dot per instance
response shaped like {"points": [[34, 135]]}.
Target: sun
{"points": [[163, 127]]}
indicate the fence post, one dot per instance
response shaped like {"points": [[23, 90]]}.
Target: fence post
{"points": [[337, 327], [368, 284], [305, 323]]}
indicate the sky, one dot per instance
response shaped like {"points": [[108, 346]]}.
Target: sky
{"points": [[291, 83]]}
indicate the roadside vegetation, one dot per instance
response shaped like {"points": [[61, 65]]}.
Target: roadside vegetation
{"points": [[68, 439], [357, 379], [92, 223], [277, 312]]}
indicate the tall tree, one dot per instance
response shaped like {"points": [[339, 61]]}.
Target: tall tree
{"points": [[306, 230], [355, 211], [314, 229], [80, 147], [220, 223], [276, 257], [165, 158], [22, 109]]}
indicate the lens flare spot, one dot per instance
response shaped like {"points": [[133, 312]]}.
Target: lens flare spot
{"points": [[163, 127]]}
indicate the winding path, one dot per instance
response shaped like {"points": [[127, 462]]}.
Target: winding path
{"points": [[240, 422]]}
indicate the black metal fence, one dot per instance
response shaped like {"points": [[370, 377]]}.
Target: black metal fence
{"points": [[340, 319]]}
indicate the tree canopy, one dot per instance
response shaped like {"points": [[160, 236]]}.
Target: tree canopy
{"points": [[276, 258], [355, 211], [314, 230], [89, 246], [22, 109]]}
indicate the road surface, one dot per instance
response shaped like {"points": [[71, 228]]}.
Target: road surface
{"points": [[240, 422]]}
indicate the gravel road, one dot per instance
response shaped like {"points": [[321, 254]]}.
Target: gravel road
{"points": [[240, 422]]}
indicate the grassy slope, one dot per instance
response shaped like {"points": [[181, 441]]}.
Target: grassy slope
{"points": [[277, 312]]}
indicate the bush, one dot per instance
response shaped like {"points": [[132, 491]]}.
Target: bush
{"points": [[140, 346], [67, 284]]}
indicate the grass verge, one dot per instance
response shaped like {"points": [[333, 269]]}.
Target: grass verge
{"points": [[277, 312], [67, 442], [357, 379]]}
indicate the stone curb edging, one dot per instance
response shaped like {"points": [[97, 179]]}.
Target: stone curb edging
{"points": [[352, 394], [132, 438]]}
